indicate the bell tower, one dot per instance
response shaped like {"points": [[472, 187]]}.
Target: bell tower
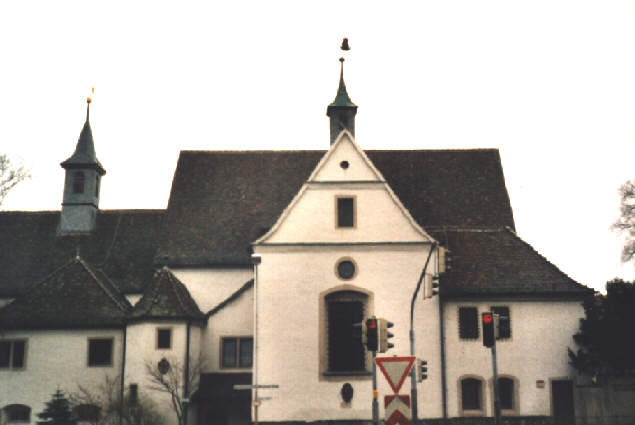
{"points": [[81, 186], [342, 110]]}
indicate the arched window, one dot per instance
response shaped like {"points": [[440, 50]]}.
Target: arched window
{"points": [[17, 413], [471, 399], [87, 413], [78, 182], [506, 393], [344, 353]]}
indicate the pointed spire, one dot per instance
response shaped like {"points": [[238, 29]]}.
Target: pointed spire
{"points": [[84, 155], [342, 110], [342, 98]]}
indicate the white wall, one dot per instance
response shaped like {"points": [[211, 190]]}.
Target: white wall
{"points": [[209, 287], [541, 331], [236, 319], [290, 284], [55, 359]]}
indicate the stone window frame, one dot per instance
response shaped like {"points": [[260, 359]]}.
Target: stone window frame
{"points": [[12, 341], [237, 339], [368, 311], [515, 410], [6, 413], [459, 392], [112, 349], [354, 212]]}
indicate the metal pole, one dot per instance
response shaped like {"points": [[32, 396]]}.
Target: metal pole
{"points": [[413, 376], [375, 393], [497, 411], [413, 379]]}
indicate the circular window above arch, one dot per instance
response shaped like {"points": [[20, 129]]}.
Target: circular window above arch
{"points": [[344, 165], [346, 268]]}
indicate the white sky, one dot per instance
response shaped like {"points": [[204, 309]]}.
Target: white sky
{"points": [[551, 83]]}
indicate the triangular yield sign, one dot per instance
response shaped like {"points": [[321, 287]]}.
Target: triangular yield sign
{"points": [[395, 369]]}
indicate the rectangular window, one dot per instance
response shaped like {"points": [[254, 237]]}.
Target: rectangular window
{"points": [[471, 394], [100, 351], [237, 352], [468, 323], [345, 212], [504, 323], [12, 354], [164, 339]]}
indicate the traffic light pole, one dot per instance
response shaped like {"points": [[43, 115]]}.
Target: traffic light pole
{"points": [[375, 393], [413, 372], [497, 410]]}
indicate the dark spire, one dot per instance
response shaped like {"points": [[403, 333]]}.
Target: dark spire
{"points": [[84, 155], [342, 110]]}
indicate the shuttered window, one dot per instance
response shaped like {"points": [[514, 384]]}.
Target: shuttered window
{"points": [[504, 323], [12, 354], [468, 323], [345, 354]]}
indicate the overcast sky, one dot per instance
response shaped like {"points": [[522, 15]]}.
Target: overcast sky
{"points": [[549, 83]]}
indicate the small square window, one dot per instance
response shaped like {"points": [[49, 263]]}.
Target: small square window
{"points": [[100, 352], [237, 352], [164, 339], [345, 212], [468, 323], [12, 354]]}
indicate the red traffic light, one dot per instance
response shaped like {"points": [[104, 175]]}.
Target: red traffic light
{"points": [[372, 324], [487, 318]]}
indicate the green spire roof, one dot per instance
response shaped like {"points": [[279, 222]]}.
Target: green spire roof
{"points": [[342, 98], [84, 155]]}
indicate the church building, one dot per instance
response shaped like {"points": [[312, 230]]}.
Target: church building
{"points": [[243, 293]]}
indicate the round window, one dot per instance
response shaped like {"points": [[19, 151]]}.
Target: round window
{"points": [[346, 269], [344, 164]]}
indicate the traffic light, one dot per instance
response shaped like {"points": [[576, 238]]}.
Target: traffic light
{"points": [[489, 335], [384, 335], [372, 334], [359, 332], [422, 370], [432, 286]]}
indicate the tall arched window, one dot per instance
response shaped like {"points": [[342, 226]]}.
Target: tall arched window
{"points": [[343, 309], [78, 182], [17, 413]]}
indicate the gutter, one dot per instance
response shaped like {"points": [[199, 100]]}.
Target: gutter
{"points": [[185, 400], [444, 383], [123, 372]]}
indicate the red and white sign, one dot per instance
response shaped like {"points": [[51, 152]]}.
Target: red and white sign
{"points": [[397, 409], [395, 369]]}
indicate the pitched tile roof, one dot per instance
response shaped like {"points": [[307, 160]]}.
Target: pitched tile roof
{"points": [[166, 298], [222, 201], [122, 246], [73, 296], [490, 262]]}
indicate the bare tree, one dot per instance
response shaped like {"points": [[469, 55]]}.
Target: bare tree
{"points": [[106, 397], [9, 176], [172, 381], [626, 222]]}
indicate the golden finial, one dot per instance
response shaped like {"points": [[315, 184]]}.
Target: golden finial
{"points": [[89, 99]]}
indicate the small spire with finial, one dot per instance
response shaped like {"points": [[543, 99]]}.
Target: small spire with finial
{"points": [[89, 100]]}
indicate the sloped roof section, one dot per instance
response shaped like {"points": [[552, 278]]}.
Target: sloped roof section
{"points": [[166, 298], [497, 262], [70, 297], [122, 246], [223, 201]]}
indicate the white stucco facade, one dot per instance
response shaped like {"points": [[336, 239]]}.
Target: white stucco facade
{"points": [[56, 359]]}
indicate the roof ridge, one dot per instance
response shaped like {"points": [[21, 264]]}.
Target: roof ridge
{"points": [[124, 308]]}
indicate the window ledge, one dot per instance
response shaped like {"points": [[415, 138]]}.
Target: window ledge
{"points": [[348, 373]]}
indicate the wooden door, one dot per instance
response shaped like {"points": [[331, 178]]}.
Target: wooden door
{"points": [[562, 402]]}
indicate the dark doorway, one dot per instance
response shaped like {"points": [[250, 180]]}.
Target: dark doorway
{"points": [[220, 404], [562, 402]]}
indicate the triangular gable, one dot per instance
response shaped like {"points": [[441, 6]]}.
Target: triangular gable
{"points": [[346, 166], [72, 296]]}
